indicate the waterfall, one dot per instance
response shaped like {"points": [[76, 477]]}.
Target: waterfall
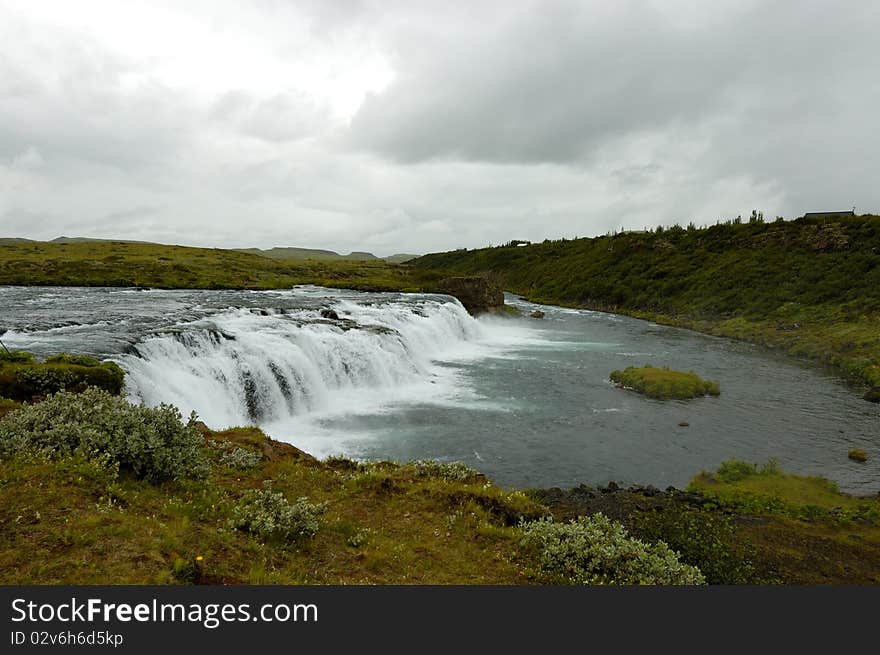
{"points": [[258, 366]]}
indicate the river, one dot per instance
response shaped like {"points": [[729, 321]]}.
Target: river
{"points": [[411, 376]]}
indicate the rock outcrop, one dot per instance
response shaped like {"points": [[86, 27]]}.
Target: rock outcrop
{"points": [[872, 395], [477, 294]]}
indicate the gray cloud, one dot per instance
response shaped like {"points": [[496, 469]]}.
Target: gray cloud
{"points": [[530, 119], [551, 85]]}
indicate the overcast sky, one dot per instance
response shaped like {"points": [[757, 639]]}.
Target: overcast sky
{"points": [[422, 126]]}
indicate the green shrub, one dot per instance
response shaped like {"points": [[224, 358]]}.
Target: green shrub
{"points": [[150, 442], [702, 539], [7, 405], [16, 357], [449, 471], [733, 471], [597, 551], [237, 458], [23, 378], [267, 514], [77, 360], [189, 570]]}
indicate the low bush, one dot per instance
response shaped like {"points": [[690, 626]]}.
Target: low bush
{"points": [[76, 360], [16, 357], [23, 378], [449, 471], [240, 458], [268, 514], [734, 470], [150, 442], [228, 454], [7, 405], [595, 550], [702, 539]]}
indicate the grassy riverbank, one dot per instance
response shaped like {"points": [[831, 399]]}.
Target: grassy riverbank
{"points": [[134, 495], [75, 522], [131, 494], [808, 287]]}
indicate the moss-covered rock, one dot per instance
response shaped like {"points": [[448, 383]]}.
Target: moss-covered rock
{"points": [[858, 455], [23, 378]]}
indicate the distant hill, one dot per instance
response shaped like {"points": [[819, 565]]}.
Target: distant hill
{"points": [[272, 253], [128, 264], [400, 258], [64, 239], [324, 255], [308, 253]]}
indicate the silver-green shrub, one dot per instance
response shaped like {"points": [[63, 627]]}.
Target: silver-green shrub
{"points": [[595, 550], [450, 471], [235, 457], [153, 443], [269, 515]]}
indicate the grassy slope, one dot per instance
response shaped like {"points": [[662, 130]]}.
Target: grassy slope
{"points": [[70, 522], [806, 530], [786, 528], [807, 287], [117, 263]]}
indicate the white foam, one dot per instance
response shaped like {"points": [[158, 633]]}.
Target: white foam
{"points": [[295, 373]]}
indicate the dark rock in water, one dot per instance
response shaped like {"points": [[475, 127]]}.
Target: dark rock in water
{"points": [[329, 313], [872, 395], [610, 489], [477, 294], [537, 314], [683, 424], [858, 455]]}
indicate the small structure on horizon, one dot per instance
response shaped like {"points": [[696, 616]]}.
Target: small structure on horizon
{"points": [[851, 212]]}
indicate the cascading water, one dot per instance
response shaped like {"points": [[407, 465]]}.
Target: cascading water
{"points": [[245, 366], [412, 376]]}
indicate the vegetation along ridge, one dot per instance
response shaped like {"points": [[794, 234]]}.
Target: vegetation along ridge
{"points": [[810, 287]]}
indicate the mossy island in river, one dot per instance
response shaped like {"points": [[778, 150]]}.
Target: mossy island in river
{"points": [[664, 384]]}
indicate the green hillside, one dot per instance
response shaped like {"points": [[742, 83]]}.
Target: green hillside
{"points": [[121, 263], [809, 286]]}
